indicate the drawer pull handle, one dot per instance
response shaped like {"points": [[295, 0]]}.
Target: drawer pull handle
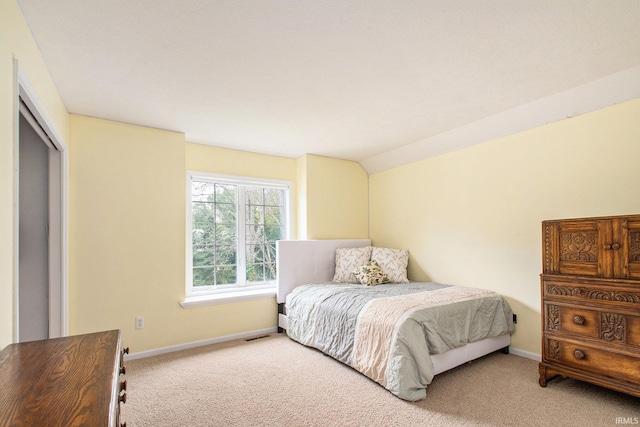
{"points": [[578, 354], [578, 320], [607, 247], [615, 246]]}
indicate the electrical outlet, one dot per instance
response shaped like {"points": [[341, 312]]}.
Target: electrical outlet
{"points": [[139, 322]]}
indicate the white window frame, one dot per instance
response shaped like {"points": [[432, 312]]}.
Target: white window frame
{"points": [[240, 291]]}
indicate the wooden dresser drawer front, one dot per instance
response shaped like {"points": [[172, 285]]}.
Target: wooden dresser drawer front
{"points": [[579, 322], [608, 327], [614, 365], [570, 320], [623, 296]]}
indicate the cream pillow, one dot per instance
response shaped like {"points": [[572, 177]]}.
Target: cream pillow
{"points": [[347, 260], [393, 263], [371, 274]]}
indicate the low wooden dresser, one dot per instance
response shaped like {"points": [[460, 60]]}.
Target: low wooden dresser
{"points": [[590, 290], [70, 381]]}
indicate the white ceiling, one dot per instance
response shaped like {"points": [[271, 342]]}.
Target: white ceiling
{"points": [[363, 80]]}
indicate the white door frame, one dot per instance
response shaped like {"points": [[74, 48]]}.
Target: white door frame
{"points": [[58, 199]]}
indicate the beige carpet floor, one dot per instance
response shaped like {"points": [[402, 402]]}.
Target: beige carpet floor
{"points": [[274, 381]]}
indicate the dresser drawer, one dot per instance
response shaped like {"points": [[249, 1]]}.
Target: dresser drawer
{"points": [[572, 320], [589, 359], [607, 326], [620, 293]]}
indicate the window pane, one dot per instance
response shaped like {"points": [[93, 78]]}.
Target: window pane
{"points": [[270, 271], [202, 191], [255, 273], [202, 233], [254, 234], [203, 276], [225, 234], [202, 212], [270, 252], [255, 214], [225, 213], [261, 263], [203, 256], [273, 197], [225, 255], [273, 215], [255, 254], [254, 196], [273, 232], [226, 193], [226, 275]]}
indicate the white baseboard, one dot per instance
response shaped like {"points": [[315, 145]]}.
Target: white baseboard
{"points": [[253, 334], [526, 354], [194, 344]]}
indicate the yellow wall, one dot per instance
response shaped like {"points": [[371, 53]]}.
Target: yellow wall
{"points": [[232, 162], [336, 202], [301, 197], [472, 217], [127, 229], [127, 234], [16, 42]]}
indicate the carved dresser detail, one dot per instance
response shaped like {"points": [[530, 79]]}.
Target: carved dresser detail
{"points": [[590, 288]]}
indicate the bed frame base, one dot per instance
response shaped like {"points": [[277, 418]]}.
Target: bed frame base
{"points": [[282, 318], [461, 355], [450, 359]]}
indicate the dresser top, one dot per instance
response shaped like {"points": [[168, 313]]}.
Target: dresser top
{"points": [[61, 381], [596, 218]]}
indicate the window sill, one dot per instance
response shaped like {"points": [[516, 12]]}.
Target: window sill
{"points": [[228, 297]]}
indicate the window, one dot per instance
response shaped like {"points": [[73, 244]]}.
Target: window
{"points": [[234, 223]]}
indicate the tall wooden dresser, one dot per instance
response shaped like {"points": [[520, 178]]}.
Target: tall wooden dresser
{"points": [[70, 381], [590, 288]]}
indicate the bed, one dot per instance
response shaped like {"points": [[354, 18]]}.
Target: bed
{"points": [[398, 334]]}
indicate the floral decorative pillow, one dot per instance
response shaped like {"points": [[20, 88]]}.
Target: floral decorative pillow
{"points": [[371, 274], [347, 260], [393, 262]]}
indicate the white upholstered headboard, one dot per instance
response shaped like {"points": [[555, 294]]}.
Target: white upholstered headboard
{"points": [[308, 261]]}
